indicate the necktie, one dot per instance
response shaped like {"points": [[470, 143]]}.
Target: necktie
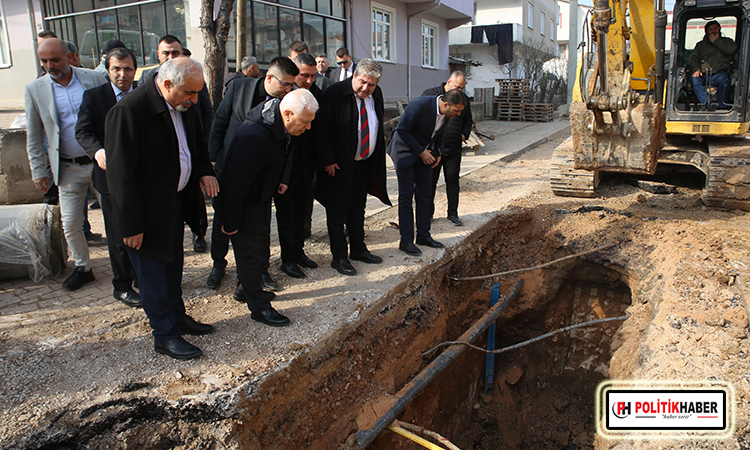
{"points": [[119, 96], [364, 143]]}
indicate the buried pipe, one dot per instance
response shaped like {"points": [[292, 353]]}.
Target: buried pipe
{"points": [[429, 373]]}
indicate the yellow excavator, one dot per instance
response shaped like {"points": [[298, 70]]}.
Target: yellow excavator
{"points": [[620, 120]]}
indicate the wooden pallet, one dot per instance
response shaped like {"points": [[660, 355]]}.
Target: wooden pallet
{"points": [[512, 90], [510, 111], [538, 112]]}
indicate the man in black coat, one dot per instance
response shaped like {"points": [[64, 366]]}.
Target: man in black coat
{"points": [[157, 166], [351, 161], [170, 47], [415, 149], [251, 175], [294, 207], [457, 131], [120, 64], [242, 96]]}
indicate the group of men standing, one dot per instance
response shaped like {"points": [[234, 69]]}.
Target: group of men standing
{"points": [[277, 136]]}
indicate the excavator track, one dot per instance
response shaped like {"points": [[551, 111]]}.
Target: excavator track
{"points": [[567, 181], [728, 181]]}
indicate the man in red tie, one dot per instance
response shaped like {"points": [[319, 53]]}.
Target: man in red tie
{"points": [[351, 161]]}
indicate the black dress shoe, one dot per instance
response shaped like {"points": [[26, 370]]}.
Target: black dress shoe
{"points": [[455, 220], [95, 239], [214, 279], [366, 257], [270, 317], [429, 242], [177, 348], [199, 244], [292, 270], [79, 277], [129, 297], [188, 325], [343, 266], [267, 283], [409, 248], [306, 262], [239, 294]]}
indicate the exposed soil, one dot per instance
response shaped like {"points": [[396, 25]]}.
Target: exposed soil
{"points": [[679, 270]]}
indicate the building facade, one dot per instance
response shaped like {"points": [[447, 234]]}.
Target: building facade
{"points": [[410, 39]]}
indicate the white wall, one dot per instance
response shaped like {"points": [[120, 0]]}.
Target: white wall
{"points": [[23, 67]]}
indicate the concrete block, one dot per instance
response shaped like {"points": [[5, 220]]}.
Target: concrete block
{"points": [[16, 185]]}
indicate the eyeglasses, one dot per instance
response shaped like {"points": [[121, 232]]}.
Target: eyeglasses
{"points": [[283, 84], [343, 62]]}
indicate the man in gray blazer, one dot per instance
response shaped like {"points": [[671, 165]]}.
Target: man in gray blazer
{"points": [[52, 104]]}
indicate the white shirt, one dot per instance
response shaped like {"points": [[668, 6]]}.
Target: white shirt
{"points": [[179, 129], [347, 73], [372, 122], [440, 118], [68, 102]]}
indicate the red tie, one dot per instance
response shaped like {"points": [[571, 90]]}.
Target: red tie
{"points": [[364, 144]]}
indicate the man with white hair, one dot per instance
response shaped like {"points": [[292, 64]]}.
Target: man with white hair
{"points": [[250, 176], [157, 165]]}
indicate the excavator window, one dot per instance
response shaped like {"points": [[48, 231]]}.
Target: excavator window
{"points": [[692, 32]]}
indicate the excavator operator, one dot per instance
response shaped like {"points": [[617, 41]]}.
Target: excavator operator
{"points": [[710, 63]]}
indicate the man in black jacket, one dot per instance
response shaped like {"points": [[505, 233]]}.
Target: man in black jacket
{"points": [[251, 175], [242, 96], [120, 64], [351, 161], [457, 131], [157, 166]]}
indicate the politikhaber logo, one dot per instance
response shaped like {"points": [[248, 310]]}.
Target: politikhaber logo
{"points": [[671, 410]]}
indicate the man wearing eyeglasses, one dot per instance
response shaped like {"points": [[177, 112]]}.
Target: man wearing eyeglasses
{"points": [[242, 96], [346, 66], [170, 48], [121, 65]]}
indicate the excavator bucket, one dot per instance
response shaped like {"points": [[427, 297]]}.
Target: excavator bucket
{"points": [[625, 141]]}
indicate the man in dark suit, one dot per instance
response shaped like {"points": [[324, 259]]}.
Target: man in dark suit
{"points": [[157, 166], [415, 150], [170, 47], [294, 207], [457, 131], [351, 161], [252, 173], [346, 66], [248, 69], [241, 97], [121, 65]]}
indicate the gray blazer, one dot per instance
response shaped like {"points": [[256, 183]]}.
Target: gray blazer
{"points": [[41, 121]]}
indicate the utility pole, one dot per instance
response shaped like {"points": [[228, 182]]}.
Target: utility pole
{"points": [[572, 48]]}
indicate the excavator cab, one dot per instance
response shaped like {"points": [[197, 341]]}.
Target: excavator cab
{"points": [[686, 114]]}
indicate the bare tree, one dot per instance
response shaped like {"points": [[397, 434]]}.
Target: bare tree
{"points": [[532, 54], [215, 33]]}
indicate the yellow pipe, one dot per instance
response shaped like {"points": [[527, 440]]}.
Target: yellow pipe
{"points": [[409, 435]]}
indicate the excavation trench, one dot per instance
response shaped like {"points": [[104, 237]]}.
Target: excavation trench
{"points": [[542, 395]]}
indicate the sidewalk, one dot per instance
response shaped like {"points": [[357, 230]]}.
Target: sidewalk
{"points": [[25, 303]]}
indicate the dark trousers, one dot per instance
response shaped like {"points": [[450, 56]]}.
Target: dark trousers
{"points": [[353, 218], [293, 213], [252, 250], [414, 183], [219, 242], [122, 269], [451, 165], [161, 286]]}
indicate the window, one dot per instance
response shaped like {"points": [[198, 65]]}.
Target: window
{"points": [[382, 32], [542, 19], [552, 29], [530, 16], [429, 44], [4, 42]]}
